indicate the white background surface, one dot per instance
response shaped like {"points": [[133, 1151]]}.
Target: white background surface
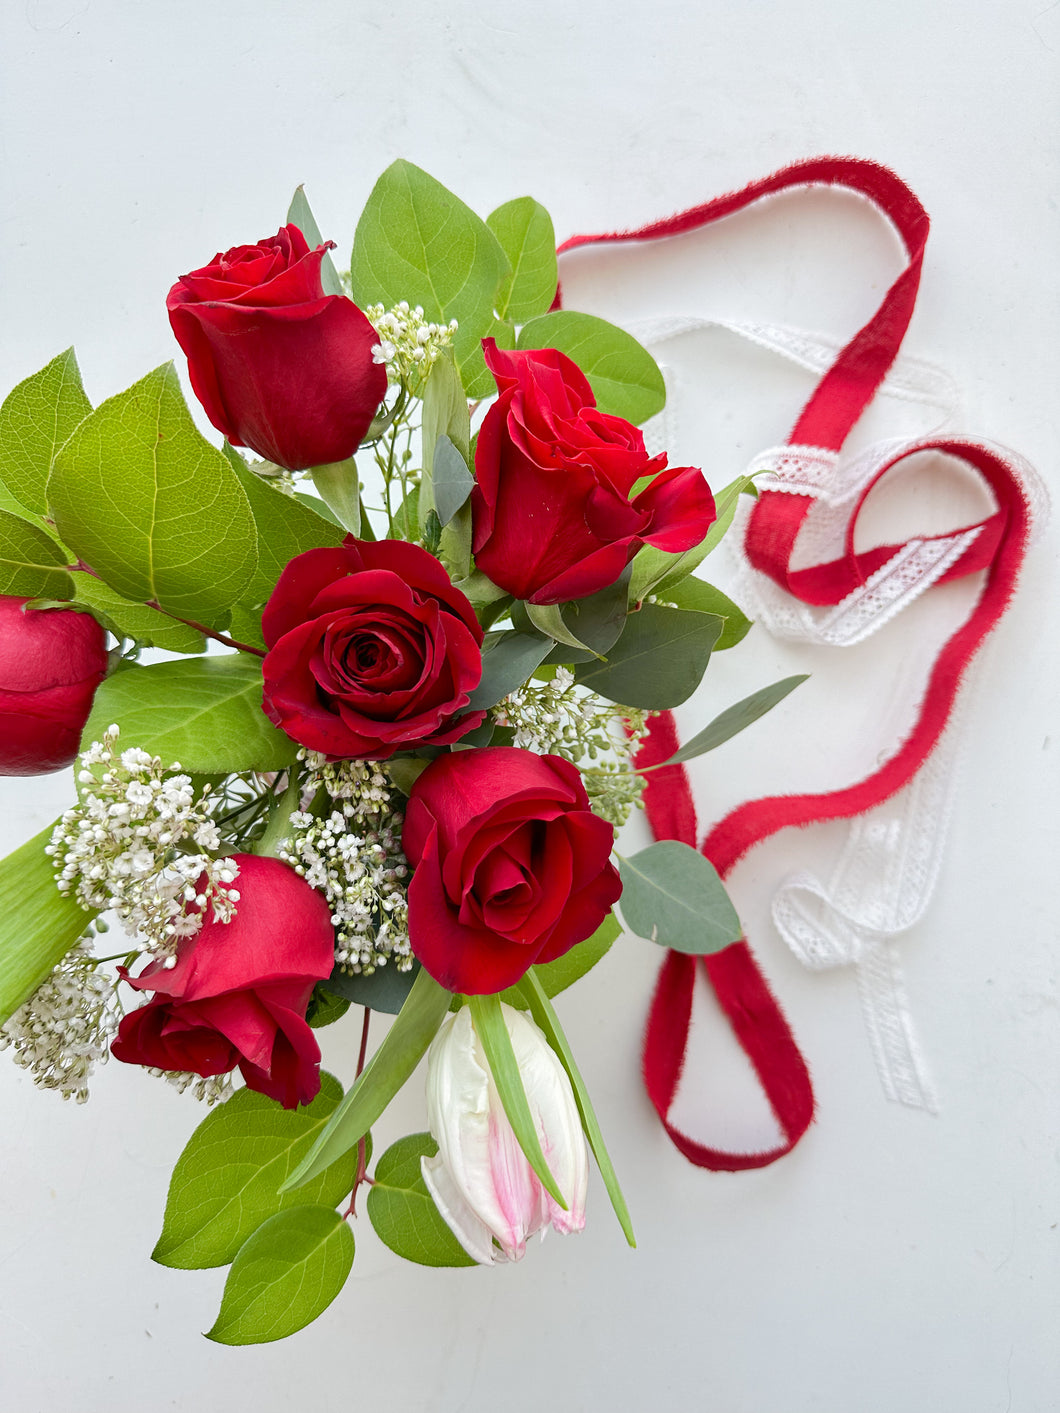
{"points": [[897, 1262]]}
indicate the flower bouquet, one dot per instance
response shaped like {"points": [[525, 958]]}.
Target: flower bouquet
{"points": [[382, 759]]}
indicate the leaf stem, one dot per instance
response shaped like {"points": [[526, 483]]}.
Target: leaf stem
{"points": [[208, 632], [362, 1142]]}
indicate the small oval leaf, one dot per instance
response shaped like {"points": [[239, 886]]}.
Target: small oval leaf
{"points": [[672, 895]]}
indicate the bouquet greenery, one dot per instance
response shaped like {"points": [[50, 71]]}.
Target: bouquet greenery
{"points": [[382, 758]]}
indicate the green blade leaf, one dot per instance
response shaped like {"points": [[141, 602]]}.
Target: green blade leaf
{"points": [[31, 563], [451, 481], [134, 620], [225, 1182], [299, 214], [488, 1019], [736, 718], [402, 1049], [556, 976], [203, 712], [36, 418], [524, 229], [622, 374], [417, 241], [726, 502], [156, 510], [536, 997], [402, 1211], [284, 1276], [508, 659], [339, 488], [38, 925], [658, 662], [672, 895], [701, 597]]}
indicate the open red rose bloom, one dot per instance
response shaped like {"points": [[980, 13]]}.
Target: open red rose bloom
{"points": [[511, 866], [371, 651], [278, 365], [239, 991], [553, 519]]}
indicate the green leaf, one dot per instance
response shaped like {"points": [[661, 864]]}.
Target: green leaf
{"points": [[656, 572], [225, 1182], [488, 1019], [36, 418], [451, 481], [284, 1276], [548, 618], [445, 414], [325, 1007], [701, 597], [203, 712], [672, 895], [524, 229], [726, 502], [402, 1049], [402, 1211], [477, 379], [299, 214], [417, 241], [386, 989], [736, 718], [536, 997], [156, 510], [622, 374], [339, 488], [134, 620], [454, 549], [658, 662], [404, 771], [31, 563], [556, 976], [508, 660], [286, 527], [407, 516], [597, 621], [38, 925], [319, 509]]}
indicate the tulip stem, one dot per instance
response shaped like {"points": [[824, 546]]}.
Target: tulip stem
{"points": [[362, 1142]]}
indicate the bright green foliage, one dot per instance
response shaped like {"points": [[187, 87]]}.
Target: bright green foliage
{"points": [[31, 563], [155, 510], [622, 374], [403, 1211], [672, 895], [134, 620], [299, 214], [556, 976], [284, 1276], [285, 528], [736, 718], [658, 662], [38, 925], [36, 418], [203, 712], [401, 1051], [418, 242], [508, 659], [524, 229], [226, 1181], [701, 597]]}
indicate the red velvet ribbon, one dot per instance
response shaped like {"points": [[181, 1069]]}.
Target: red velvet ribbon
{"points": [[773, 528]]}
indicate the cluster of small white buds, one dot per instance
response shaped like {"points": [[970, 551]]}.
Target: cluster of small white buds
{"points": [[139, 842], [560, 718], [352, 855], [408, 343], [65, 1028]]}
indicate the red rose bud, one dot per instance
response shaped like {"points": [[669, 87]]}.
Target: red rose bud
{"points": [[51, 662], [510, 866], [278, 365], [371, 650], [551, 510], [239, 991]]}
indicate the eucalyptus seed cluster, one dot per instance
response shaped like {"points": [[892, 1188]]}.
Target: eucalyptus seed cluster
{"points": [[65, 1028], [140, 843], [408, 344], [347, 845], [561, 718]]}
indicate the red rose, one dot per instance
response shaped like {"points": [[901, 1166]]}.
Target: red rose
{"points": [[239, 991], [551, 509], [278, 365], [510, 866], [371, 651], [51, 662]]}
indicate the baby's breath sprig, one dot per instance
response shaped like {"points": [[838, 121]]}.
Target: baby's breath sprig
{"points": [[65, 1028], [140, 843], [350, 850], [563, 719], [408, 344]]}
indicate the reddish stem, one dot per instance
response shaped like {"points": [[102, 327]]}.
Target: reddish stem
{"points": [[362, 1143]]}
